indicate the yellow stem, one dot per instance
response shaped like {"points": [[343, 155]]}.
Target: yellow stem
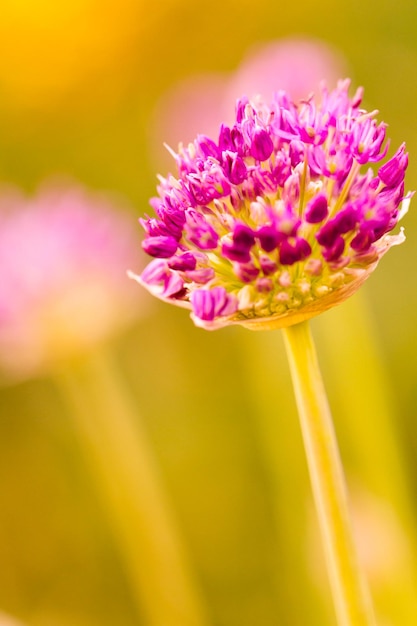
{"points": [[350, 593], [128, 482], [287, 478]]}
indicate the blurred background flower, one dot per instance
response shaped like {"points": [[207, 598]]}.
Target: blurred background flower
{"points": [[63, 287], [82, 92]]}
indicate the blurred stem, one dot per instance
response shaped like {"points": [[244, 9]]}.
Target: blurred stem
{"points": [[127, 478], [350, 594]]}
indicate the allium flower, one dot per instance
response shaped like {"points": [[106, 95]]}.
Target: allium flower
{"points": [[63, 288], [279, 218]]}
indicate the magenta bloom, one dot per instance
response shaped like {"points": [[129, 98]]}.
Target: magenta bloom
{"points": [[280, 217], [63, 286]]}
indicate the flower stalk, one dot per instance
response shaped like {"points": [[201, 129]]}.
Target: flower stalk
{"points": [[350, 594], [128, 481]]}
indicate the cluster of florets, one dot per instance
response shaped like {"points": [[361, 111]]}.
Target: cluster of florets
{"points": [[275, 221]]}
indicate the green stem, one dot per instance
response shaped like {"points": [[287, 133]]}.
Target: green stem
{"points": [[128, 482], [350, 594]]}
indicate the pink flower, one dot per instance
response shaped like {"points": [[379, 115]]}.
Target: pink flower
{"points": [[280, 216], [63, 286], [294, 64]]}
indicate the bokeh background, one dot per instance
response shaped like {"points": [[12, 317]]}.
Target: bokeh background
{"points": [[87, 89]]}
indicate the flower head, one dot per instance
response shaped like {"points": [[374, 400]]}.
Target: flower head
{"points": [[279, 218], [63, 287]]}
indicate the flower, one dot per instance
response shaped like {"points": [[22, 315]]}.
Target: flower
{"points": [[296, 63], [281, 217], [63, 286]]}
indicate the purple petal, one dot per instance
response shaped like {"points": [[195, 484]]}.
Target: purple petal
{"points": [[183, 262], [262, 145], [335, 251], [160, 246], [317, 209], [210, 303], [290, 253], [393, 172]]}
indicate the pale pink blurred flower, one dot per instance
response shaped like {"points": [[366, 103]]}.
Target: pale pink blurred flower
{"points": [[193, 105], [296, 65], [382, 542], [63, 286], [198, 104], [383, 546]]}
